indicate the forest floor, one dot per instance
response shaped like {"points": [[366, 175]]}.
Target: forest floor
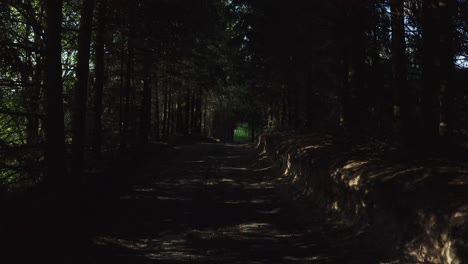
{"points": [[218, 203]]}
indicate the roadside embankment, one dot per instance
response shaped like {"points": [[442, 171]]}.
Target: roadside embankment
{"points": [[414, 209]]}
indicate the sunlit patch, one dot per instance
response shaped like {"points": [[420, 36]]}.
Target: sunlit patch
{"points": [[212, 182], [175, 255], [295, 177], [316, 258], [253, 227], [185, 181], [227, 180], [261, 185], [311, 147], [222, 181], [264, 169], [354, 164], [288, 166], [260, 201], [274, 211], [286, 235], [167, 198], [232, 157], [291, 258], [145, 190], [335, 206], [354, 183], [458, 181], [233, 168], [234, 201], [138, 244]]}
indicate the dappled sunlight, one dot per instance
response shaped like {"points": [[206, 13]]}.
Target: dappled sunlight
{"points": [[288, 165], [270, 212], [232, 157], [263, 169], [166, 198], [260, 201], [145, 190], [221, 210], [235, 201], [261, 185], [352, 165], [233, 168], [354, 183]]}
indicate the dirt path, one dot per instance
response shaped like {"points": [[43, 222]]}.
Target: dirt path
{"points": [[217, 204]]}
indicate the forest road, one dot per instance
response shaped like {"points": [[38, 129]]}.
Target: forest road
{"points": [[216, 203]]}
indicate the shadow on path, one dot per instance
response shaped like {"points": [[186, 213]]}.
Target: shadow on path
{"points": [[215, 204]]}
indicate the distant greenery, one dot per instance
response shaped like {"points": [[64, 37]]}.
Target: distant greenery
{"points": [[242, 133]]}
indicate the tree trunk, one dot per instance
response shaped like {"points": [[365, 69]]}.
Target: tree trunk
{"points": [[205, 119], [196, 112], [122, 92], [81, 88], [54, 125], [31, 81], [431, 70], [157, 119], [399, 75], [170, 118], [447, 28], [354, 106], [99, 76], [164, 113], [310, 92], [145, 122], [165, 105], [187, 113], [127, 114], [180, 115]]}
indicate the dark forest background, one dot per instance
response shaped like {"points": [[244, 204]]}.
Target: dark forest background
{"points": [[85, 81]]}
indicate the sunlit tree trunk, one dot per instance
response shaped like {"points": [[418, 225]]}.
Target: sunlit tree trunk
{"points": [[54, 124], [81, 88]]}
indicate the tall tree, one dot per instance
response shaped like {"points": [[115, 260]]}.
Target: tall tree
{"points": [[99, 75], [127, 90], [354, 106], [431, 69], [399, 72], [81, 87], [145, 119], [447, 31], [54, 125]]}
